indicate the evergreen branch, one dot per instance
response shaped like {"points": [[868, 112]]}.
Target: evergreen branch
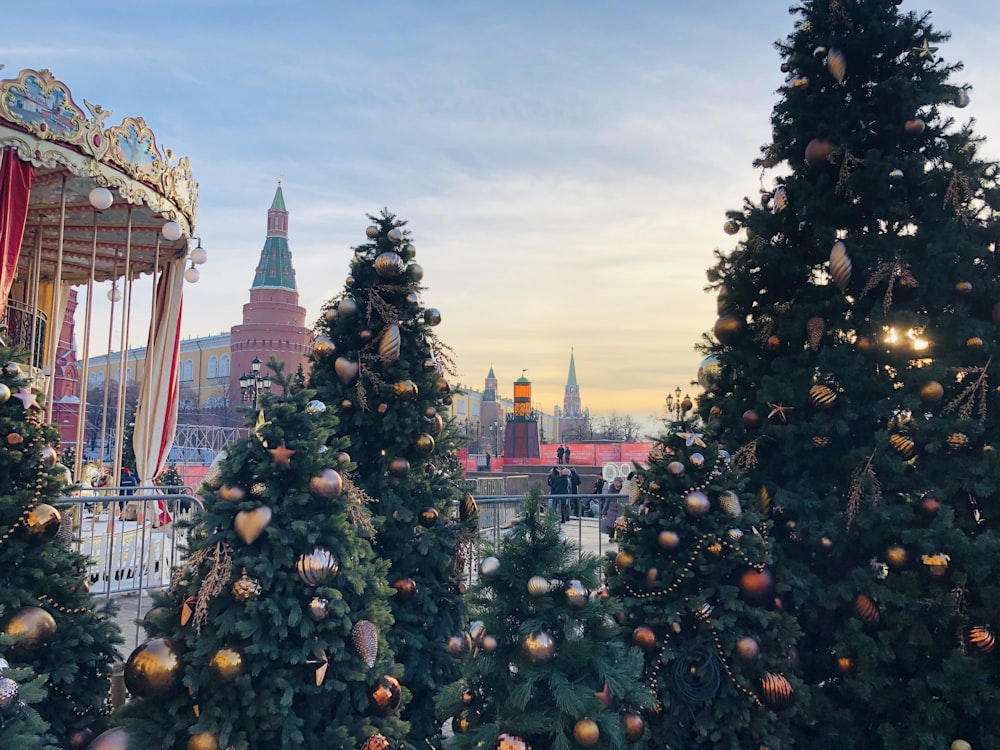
{"points": [[974, 395], [864, 485], [746, 457], [892, 271], [357, 499], [958, 195], [850, 162]]}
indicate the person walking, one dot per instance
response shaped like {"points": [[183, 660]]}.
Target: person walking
{"points": [[612, 506], [560, 452]]}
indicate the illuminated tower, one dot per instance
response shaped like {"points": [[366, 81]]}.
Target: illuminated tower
{"points": [[521, 430]]}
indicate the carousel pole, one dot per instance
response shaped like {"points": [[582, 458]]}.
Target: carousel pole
{"points": [[81, 421], [36, 272], [55, 321], [113, 296], [123, 356]]}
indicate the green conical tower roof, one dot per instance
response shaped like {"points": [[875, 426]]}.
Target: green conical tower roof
{"points": [[274, 270], [571, 379]]}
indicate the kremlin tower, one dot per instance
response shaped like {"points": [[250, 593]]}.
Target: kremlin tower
{"points": [[274, 324], [574, 423]]}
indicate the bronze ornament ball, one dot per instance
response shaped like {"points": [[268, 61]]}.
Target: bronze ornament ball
{"points": [[510, 742], [974, 342], [915, 126], [405, 390], [42, 523], [432, 317], [676, 468], [931, 391], [539, 647], [586, 732], [226, 663], [576, 594], [896, 556], [457, 645], [203, 741], [538, 586], [644, 637], [113, 739], [415, 272], [669, 539], [327, 485], [963, 287], [80, 738], [729, 329], [405, 588], [319, 608], [818, 152], [428, 517], [696, 504], [751, 419], [635, 726], [386, 695], [866, 609], [14, 439], [323, 346], [756, 587], [32, 627], [389, 264], [399, 467], [624, 560], [776, 691], [731, 227], [463, 721], [153, 669], [489, 644], [747, 648], [960, 744], [245, 588], [979, 638]]}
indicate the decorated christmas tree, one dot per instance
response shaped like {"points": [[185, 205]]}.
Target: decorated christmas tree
{"points": [[58, 644], [272, 633], [546, 667], [693, 572], [378, 360], [853, 373]]}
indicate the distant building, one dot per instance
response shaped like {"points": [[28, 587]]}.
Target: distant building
{"points": [[573, 422]]}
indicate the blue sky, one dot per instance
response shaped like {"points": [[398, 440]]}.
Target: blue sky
{"points": [[565, 167]]}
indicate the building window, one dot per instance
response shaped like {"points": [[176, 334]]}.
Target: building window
{"points": [[187, 370], [213, 366], [460, 407], [128, 374], [475, 409], [224, 366]]}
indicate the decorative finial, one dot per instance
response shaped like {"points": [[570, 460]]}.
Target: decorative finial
{"points": [[281, 177]]}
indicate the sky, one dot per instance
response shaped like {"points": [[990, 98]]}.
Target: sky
{"points": [[564, 166]]}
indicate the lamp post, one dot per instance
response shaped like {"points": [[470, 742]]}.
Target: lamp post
{"points": [[496, 438], [252, 384], [677, 407]]}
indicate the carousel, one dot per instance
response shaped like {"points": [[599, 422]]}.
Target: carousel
{"points": [[84, 205]]}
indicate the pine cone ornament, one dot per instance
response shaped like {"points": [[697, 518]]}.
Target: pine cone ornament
{"points": [[364, 634], [815, 327]]}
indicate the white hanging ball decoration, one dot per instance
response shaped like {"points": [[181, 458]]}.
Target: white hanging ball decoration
{"points": [[171, 231], [896, 174], [395, 234], [101, 198], [198, 255], [114, 295], [191, 275]]}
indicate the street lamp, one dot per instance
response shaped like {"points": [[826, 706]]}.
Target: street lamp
{"points": [[496, 438], [677, 407], [252, 384]]}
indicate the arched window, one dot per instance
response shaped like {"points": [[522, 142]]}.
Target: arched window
{"points": [[460, 407], [187, 370], [212, 402], [128, 374], [213, 366], [224, 366]]}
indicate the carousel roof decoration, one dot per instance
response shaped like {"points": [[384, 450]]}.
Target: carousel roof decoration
{"points": [[42, 123]]}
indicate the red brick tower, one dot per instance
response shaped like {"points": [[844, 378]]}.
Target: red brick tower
{"points": [[273, 321]]}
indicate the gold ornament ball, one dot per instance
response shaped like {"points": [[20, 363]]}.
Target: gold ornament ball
{"points": [[676, 468], [32, 627], [644, 637], [319, 608], [896, 556], [489, 567], [845, 664], [974, 342], [538, 586], [226, 663], [323, 346], [424, 444], [231, 493], [586, 732], [153, 669], [776, 691], [963, 287], [4, 393], [915, 126], [463, 722], [960, 745], [432, 317], [747, 648], [489, 644], [405, 390], [866, 609], [386, 695], [931, 391], [635, 726], [669, 539], [728, 329], [510, 742], [376, 742], [48, 456], [457, 645], [113, 739], [624, 560], [245, 588], [930, 505], [399, 467], [696, 503], [539, 647], [327, 485], [576, 594], [203, 741], [317, 567], [979, 638], [42, 522], [730, 227], [14, 439]]}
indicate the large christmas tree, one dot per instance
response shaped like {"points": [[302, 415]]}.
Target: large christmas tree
{"points": [[693, 571], [546, 666], [853, 372], [379, 361], [272, 633], [58, 642]]}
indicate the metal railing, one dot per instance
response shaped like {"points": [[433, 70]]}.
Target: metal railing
{"points": [[26, 330]]}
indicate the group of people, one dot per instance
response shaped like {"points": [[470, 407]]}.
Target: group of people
{"points": [[565, 481], [562, 455]]}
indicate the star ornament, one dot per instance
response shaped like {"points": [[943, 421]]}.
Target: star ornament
{"points": [[281, 455], [780, 411], [258, 428], [27, 398], [925, 50], [692, 438]]}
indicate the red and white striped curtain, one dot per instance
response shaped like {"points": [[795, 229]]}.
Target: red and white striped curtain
{"points": [[156, 414], [16, 177]]}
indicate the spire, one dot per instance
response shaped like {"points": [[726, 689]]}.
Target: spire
{"points": [[491, 376], [571, 378], [274, 270]]}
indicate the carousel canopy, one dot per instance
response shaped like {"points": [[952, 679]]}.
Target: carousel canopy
{"points": [[72, 154]]}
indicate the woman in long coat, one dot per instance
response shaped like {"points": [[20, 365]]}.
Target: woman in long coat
{"points": [[612, 505]]}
